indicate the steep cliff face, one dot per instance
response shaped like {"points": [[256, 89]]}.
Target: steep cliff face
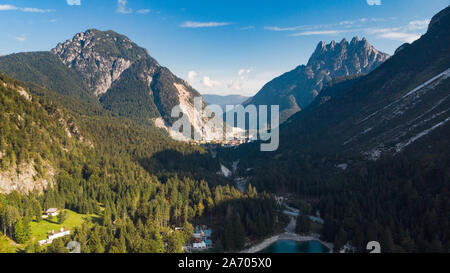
{"points": [[99, 57], [33, 138], [126, 79], [25, 179], [296, 89], [344, 58]]}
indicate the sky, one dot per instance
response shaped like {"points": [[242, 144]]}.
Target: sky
{"points": [[219, 47]]}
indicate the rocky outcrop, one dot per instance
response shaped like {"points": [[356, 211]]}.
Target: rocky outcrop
{"points": [[24, 179], [296, 89], [99, 57], [26, 164], [124, 77], [344, 58]]}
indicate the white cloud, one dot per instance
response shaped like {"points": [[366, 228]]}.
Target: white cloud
{"points": [[239, 82], [191, 24], [53, 20], [143, 11], [374, 2], [242, 72], [343, 23], [319, 32], [202, 81], [400, 36], [74, 2], [244, 82], [406, 33], [21, 39], [208, 82], [380, 30], [192, 76], [8, 7], [347, 24], [122, 7], [247, 28], [418, 25], [33, 10], [274, 28], [36, 10], [378, 20]]}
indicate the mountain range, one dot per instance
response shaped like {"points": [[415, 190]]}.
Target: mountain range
{"points": [[372, 150], [364, 142], [107, 68], [222, 101], [296, 89]]}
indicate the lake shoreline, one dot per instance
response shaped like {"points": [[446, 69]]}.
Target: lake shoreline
{"points": [[286, 236], [262, 245], [289, 234]]}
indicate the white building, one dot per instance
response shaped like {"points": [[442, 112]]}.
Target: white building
{"points": [[201, 245], [63, 232], [50, 212], [54, 235]]}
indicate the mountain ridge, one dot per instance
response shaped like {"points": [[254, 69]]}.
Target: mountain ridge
{"points": [[112, 72], [296, 89], [222, 101]]}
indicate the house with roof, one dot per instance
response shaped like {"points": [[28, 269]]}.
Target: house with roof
{"points": [[201, 245], [50, 212], [54, 235], [201, 237]]}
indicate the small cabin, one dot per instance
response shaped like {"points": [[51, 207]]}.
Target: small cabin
{"points": [[50, 212]]}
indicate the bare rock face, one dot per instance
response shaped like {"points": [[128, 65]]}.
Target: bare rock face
{"points": [[296, 89], [24, 116], [344, 58], [24, 179], [125, 78], [99, 57]]}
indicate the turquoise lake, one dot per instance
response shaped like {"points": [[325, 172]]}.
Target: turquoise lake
{"points": [[289, 246]]}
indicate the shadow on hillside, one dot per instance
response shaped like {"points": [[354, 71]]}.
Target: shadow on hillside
{"points": [[195, 165]]}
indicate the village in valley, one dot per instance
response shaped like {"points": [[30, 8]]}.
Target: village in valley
{"points": [[201, 239]]}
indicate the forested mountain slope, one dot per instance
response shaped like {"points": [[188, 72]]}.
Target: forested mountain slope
{"points": [[141, 183], [369, 154], [48, 71], [34, 137], [107, 69]]}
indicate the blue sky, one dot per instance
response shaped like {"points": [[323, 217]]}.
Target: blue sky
{"points": [[220, 47]]}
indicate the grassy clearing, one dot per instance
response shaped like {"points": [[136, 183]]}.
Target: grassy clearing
{"points": [[7, 245], [40, 230]]}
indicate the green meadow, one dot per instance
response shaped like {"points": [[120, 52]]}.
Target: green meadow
{"points": [[40, 230], [7, 245]]}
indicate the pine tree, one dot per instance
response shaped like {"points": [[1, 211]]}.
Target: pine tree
{"points": [[62, 216]]}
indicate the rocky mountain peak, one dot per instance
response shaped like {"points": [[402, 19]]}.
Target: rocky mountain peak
{"points": [[125, 78], [355, 40], [100, 57], [296, 89], [344, 58]]}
